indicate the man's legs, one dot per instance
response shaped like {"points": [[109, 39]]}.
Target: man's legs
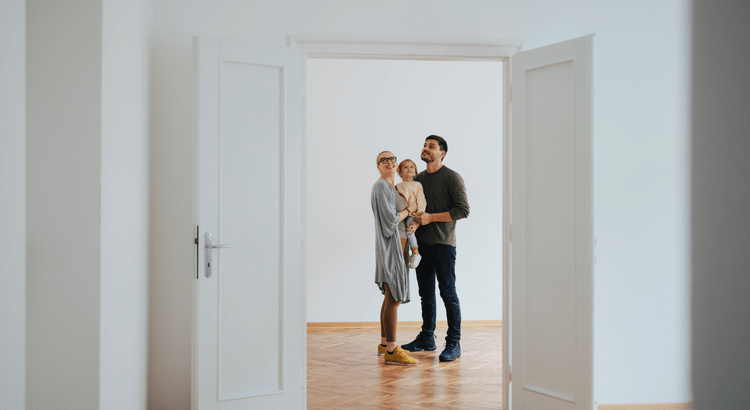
{"points": [[444, 260], [438, 261], [426, 282]]}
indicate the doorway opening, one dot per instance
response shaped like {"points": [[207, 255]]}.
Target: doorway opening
{"points": [[359, 107]]}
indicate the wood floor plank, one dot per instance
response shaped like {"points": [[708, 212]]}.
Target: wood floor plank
{"points": [[345, 372]]}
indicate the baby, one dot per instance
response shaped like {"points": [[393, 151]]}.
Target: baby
{"points": [[413, 194]]}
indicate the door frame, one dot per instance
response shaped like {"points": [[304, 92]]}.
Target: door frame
{"points": [[403, 48]]}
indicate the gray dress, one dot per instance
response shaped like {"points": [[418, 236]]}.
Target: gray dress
{"points": [[389, 261]]}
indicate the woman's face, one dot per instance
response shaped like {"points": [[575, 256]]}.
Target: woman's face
{"points": [[387, 164], [408, 170]]}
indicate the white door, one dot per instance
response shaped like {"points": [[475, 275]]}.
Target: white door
{"points": [[552, 242], [248, 315]]}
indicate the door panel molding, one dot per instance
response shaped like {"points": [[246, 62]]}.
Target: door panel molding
{"points": [[552, 218], [248, 194]]}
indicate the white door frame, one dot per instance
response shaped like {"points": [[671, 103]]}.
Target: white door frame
{"points": [[399, 48]]}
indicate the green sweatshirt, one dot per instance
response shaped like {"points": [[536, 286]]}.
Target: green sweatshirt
{"points": [[445, 191]]}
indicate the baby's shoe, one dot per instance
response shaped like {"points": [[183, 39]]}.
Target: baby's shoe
{"points": [[414, 260]]}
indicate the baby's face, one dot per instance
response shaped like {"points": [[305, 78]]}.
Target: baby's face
{"points": [[408, 170]]}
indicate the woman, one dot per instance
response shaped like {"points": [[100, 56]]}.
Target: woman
{"points": [[391, 275]]}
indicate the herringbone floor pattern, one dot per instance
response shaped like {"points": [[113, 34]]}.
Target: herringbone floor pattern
{"points": [[345, 372]]}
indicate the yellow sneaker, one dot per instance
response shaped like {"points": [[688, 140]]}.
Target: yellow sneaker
{"points": [[400, 357], [381, 350]]}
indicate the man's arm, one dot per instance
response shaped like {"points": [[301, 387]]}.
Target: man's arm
{"points": [[457, 189], [423, 218], [459, 210]]}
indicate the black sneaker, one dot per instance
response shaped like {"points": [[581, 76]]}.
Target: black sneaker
{"points": [[452, 352], [422, 342]]}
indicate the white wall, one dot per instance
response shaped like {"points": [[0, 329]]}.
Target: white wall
{"points": [[642, 339], [126, 31], [87, 204], [173, 230], [720, 203], [355, 110], [641, 195], [63, 208], [13, 204]]}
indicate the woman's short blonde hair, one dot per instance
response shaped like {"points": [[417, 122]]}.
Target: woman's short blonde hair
{"points": [[377, 159]]}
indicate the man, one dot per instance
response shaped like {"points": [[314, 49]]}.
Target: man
{"points": [[446, 203]]}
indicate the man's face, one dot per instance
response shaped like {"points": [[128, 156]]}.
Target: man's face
{"points": [[431, 151]]}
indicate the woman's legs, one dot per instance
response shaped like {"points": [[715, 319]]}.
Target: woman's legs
{"points": [[388, 306], [388, 311], [393, 353], [404, 251], [382, 325], [389, 318]]}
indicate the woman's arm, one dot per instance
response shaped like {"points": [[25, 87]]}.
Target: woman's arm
{"points": [[384, 209]]}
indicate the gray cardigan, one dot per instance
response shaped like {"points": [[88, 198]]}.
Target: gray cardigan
{"points": [[389, 261]]}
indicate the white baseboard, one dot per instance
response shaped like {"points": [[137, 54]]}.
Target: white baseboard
{"points": [[364, 326], [652, 406]]}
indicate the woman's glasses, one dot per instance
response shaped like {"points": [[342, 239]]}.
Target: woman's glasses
{"points": [[386, 159]]}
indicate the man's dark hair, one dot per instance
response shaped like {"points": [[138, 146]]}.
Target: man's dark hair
{"points": [[441, 142]]}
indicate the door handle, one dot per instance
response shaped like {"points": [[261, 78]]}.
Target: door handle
{"points": [[209, 246]]}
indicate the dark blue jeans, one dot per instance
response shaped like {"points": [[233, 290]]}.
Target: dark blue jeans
{"points": [[439, 262]]}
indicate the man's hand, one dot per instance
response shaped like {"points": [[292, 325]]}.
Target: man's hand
{"points": [[422, 218]]}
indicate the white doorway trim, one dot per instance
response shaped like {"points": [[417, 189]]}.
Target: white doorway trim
{"points": [[399, 48]]}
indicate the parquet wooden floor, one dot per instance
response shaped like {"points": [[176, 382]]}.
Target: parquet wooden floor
{"points": [[345, 372]]}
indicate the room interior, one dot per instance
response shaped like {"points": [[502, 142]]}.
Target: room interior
{"points": [[97, 306]]}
